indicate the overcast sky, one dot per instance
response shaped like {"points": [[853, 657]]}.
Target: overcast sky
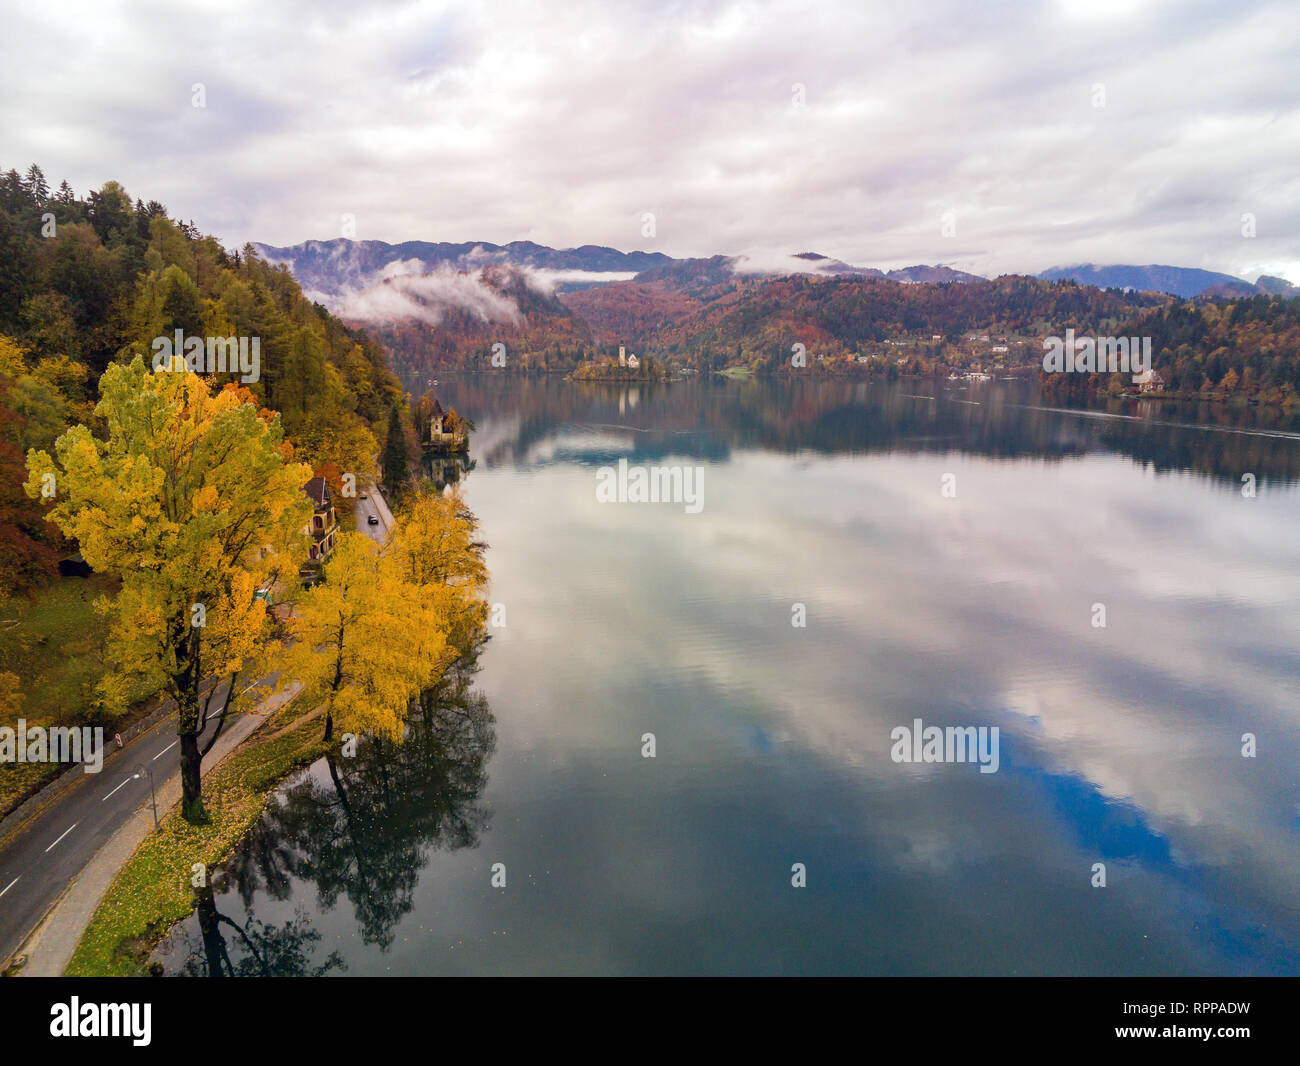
{"points": [[565, 123]]}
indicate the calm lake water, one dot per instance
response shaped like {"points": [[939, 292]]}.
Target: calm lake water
{"points": [[1119, 745]]}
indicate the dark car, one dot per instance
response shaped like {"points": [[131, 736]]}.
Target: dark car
{"points": [[373, 520]]}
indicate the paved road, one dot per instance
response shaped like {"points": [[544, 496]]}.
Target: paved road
{"points": [[364, 508], [51, 849]]}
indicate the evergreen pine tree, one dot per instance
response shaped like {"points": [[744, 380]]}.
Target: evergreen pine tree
{"points": [[395, 470]]}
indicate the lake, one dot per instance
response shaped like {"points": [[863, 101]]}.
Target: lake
{"points": [[1101, 587]]}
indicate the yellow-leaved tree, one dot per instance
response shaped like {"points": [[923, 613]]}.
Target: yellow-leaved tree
{"points": [[365, 641], [435, 542], [191, 502]]}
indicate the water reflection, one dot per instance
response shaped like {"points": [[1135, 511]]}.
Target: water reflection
{"points": [[520, 420], [359, 829], [261, 949], [445, 470], [1120, 745]]}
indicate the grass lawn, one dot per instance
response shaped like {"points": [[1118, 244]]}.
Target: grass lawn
{"points": [[53, 643], [152, 891]]}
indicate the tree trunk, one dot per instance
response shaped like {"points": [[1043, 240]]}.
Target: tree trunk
{"points": [[191, 780], [329, 726], [188, 682], [214, 944]]}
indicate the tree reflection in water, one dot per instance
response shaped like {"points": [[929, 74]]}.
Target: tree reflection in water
{"points": [[363, 829], [269, 951], [444, 470]]}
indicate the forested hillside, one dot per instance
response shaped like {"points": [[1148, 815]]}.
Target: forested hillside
{"points": [[85, 282], [758, 320], [698, 313], [1251, 345]]}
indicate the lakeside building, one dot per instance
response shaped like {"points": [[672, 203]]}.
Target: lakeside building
{"points": [[323, 525], [1149, 381], [446, 430]]}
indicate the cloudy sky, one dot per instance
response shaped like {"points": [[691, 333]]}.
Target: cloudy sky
{"points": [[1001, 136]]}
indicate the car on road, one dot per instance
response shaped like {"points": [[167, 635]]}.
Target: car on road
{"points": [[364, 496], [373, 520]]}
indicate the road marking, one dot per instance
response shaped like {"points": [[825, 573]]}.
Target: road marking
{"points": [[124, 781], [10, 884], [65, 833], [253, 685], [165, 750]]}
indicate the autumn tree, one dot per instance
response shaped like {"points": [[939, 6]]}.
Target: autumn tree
{"points": [[191, 503], [27, 556], [365, 641], [422, 415], [436, 547]]}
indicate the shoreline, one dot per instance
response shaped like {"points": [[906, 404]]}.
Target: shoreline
{"points": [[150, 891]]}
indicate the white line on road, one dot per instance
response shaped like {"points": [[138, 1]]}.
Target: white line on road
{"points": [[124, 781], [165, 750], [10, 884], [65, 833]]}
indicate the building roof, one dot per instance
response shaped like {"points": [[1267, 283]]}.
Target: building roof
{"points": [[319, 491], [437, 409]]}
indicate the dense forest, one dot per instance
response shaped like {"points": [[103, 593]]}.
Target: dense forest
{"points": [[1248, 345], [540, 334], [841, 314], [87, 282], [698, 314]]}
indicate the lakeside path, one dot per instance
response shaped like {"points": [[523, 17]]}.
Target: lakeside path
{"points": [[55, 869]]}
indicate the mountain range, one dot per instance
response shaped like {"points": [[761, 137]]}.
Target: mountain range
{"points": [[460, 306], [336, 270], [1185, 282]]}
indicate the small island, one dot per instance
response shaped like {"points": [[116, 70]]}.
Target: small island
{"points": [[627, 368]]}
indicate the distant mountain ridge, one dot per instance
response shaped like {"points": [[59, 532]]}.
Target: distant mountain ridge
{"points": [[473, 307], [331, 270], [334, 269], [1184, 282], [446, 304]]}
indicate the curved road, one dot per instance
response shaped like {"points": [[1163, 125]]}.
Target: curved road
{"points": [[51, 848], [363, 508]]}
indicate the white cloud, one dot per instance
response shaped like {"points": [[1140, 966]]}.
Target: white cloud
{"points": [[547, 281], [563, 123], [406, 296]]}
